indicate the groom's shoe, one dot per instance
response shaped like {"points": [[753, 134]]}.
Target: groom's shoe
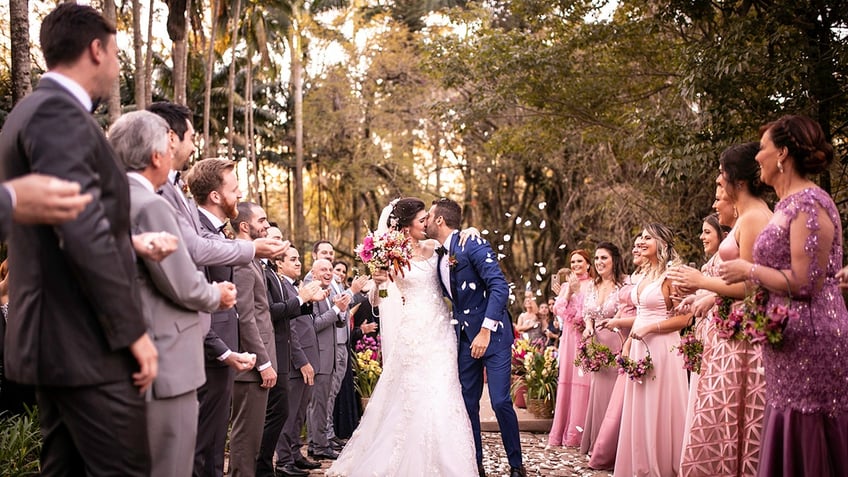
{"points": [[481, 472], [289, 470], [306, 463], [517, 472]]}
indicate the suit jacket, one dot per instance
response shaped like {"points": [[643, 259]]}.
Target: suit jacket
{"points": [[224, 332], [172, 291], [204, 246], [256, 333], [76, 310], [476, 263], [304, 343], [284, 306], [5, 213], [326, 320]]}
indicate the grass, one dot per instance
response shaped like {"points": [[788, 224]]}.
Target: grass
{"points": [[20, 444]]}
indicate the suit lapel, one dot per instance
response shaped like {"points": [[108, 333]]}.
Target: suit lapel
{"points": [[454, 251]]}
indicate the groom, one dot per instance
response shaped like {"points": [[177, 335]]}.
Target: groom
{"points": [[471, 278]]}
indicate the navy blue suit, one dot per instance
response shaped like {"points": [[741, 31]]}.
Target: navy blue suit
{"points": [[478, 290]]}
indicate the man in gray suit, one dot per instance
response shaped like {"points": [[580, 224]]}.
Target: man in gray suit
{"points": [[329, 314], [172, 291], [256, 336]]}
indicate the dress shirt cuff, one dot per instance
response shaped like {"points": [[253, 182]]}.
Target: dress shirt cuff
{"points": [[491, 324], [337, 310], [225, 355], [13, 198], [263, 367], [300, 301]]}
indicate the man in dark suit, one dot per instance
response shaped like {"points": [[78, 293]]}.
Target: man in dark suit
{"points": [[76, 331], [483, 327], [256, 336], [285, 304], [172, 291], [213, 184]]}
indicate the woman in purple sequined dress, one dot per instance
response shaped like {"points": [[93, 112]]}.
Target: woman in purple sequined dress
{"points": [[796, 258]]}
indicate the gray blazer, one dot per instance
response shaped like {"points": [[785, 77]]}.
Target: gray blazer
{"points": [[172, 291], [325, 327], [204, 249], [256, 332]]}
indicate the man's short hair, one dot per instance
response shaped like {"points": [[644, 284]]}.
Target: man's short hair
{"points": [[68, 30], [245, 214], [136, 136], [175, 114], [207, 176], [450, 211], [318, 244]]}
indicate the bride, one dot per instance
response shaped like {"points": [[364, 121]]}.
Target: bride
{"points": [[415, 422]]}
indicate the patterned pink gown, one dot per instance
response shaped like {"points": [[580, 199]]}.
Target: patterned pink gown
{"points": [[805, 432], [727, 418], [572, 384], [654, 410]]}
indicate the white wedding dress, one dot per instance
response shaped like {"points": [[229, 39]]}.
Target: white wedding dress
{"points": [[415, 422]]}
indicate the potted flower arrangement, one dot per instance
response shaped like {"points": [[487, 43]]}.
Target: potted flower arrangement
{"points": [[540, 376], [520, 350], [367, 366]]}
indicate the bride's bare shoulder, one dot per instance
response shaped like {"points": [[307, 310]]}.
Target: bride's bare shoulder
{"points": [[429, 244]]}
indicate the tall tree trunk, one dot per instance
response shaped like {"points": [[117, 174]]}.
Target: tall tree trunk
{"points": [[177, 34], [249, 155], [19, 30], [207, 93], [138, 44], [114, 100], [148, 57], [297, 81], [231, 82]]}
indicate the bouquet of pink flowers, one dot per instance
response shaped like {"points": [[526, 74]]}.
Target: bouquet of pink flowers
{"points": [[763, 323], [691, 348], [390, 251], [728, 320], [593, 356], [635, 369]]}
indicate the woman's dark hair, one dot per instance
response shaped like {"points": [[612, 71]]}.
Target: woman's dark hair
{"points": [[618, 272], [805, 142], [404, 212], [738, 164], [721, 230], [341, 262]]}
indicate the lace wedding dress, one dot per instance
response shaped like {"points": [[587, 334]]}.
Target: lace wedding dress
{"points": [[415, 422]]}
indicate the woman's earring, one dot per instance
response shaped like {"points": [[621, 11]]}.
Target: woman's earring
{"points": [[735, 212], [780, 166]]}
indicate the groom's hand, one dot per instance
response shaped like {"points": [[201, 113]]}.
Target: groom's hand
{"points": [[480, 343]]}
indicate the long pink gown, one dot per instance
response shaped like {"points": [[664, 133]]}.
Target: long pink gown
{"points": [[654, 410], [727, 418], [572, 384], [603, 380], [606, 442]]}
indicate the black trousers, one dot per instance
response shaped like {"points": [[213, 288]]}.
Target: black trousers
{"points": [[275, 417], [214, 399]]}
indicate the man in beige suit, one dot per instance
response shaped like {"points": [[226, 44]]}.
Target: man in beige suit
{"points": [[256, 335], [172, 291]]}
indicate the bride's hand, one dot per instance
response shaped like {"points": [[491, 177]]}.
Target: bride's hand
{"points": [[470, 232]]}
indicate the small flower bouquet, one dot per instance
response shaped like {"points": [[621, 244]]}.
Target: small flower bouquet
{"points": [[691, 348], [593, 356], [520, 349], [541, 373], [367, 365], [728, 319], [390, 251], [764, 323], [635, 369]]}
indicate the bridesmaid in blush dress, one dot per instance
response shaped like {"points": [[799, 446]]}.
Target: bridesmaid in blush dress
{"points": [[654, 410], [572, 385], [727, 416], [606, 442], [601, 305], [797, 258]]}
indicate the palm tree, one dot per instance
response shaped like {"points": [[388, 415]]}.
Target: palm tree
{"points": [[19, 29]]}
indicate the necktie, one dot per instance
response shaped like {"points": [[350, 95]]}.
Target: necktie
{"points": [[441, 250], [177, 179]]}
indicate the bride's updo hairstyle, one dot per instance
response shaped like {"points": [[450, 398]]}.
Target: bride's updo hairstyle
{"points": [[738, 164], [805, 142], [404, 212]]}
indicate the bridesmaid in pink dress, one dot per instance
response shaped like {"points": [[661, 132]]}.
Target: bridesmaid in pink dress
{"points": [[601, 305], [724, 438], [654, 410], [603, 451], [572, 385]]}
